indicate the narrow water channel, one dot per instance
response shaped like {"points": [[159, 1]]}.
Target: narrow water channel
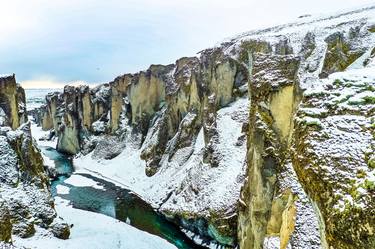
{"points": [[115, 202]]}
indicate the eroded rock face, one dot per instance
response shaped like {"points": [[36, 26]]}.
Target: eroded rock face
{"points": [[12, 101], [341, 51], [76, 112], [300, 143], [5, 224], [187, 121], [49, 115], [334, 144], [274, 98], [25, 200]]}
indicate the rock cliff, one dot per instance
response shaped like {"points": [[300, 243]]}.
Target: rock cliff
{"points": [[12, 102], [306, 117], [163, 112], [25, 200], [301, 146]]}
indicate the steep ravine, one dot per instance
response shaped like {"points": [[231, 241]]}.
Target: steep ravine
{"points": [[265, 141]]}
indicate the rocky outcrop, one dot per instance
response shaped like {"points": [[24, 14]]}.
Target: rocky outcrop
{"points": [[73, 114], [299, 146], [274, 94], [25, 200], [333, 160], [341, 51], [50, 116], [12, 101], [5, 223]]}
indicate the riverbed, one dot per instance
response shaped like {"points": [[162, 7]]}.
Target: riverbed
{"points": [[111, 200]]}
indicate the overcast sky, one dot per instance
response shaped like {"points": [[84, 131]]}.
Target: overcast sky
{"points": [[60, 41]]}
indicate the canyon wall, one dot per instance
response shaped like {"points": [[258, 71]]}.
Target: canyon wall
{"points": [[25, 199], [12, 101], [298, 123], [163, 110], [302, 154]]}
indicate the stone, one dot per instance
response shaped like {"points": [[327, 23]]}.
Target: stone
{"points": [[60, 230]]}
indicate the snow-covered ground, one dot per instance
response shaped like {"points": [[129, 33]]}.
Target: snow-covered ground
{"points": [[94, 231], [81, 181], [90, 230], [39, 134], [218, 187]]}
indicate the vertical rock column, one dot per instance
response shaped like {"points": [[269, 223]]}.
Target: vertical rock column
{"points": [[9, 99], [273, 93], [68, 131]]}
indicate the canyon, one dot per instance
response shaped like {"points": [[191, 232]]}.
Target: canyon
{"points": [[264, 141]]}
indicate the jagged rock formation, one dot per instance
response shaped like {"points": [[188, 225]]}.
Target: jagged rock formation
{"points": [[309, 180], [25, 200], [299, 121], [71, 115], [163, 110], [12, 101]]}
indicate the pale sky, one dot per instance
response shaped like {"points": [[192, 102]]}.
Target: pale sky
{"points": [[48, 42]]}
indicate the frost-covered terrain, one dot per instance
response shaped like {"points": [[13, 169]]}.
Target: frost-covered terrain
{"points": [[26, 204], [185, 170], [92, 230], [266, 140]]}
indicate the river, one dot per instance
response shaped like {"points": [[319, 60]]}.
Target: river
{"points": [[114, 201]]}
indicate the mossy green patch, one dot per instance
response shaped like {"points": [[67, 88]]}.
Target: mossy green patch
{"points": [[371, 162], [361, 173], [369, 185], [369, 100], [337, 82]]}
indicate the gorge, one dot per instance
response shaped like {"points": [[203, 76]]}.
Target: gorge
{"points": [[264, 141]]}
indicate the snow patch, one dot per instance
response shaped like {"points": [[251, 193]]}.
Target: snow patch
{"points": [[62, 190], [81, 181], [94, 231]]}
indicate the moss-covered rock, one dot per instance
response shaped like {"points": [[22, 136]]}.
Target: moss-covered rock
{"points": [[273, 103], [11, 95], [331, 164], [340, 53], [60, 230], [5, 223]]}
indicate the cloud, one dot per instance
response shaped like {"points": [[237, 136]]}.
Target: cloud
{"points": [[97, 40], [49, 82]]}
